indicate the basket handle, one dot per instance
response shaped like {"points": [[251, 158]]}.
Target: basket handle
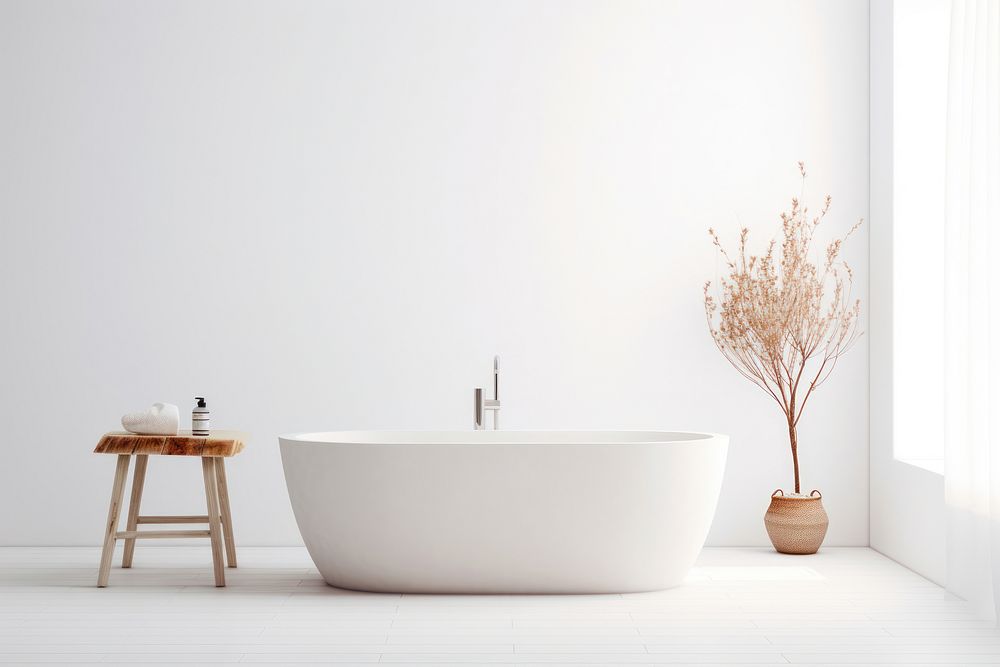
{"points": [[815, 492], [776, 492]]}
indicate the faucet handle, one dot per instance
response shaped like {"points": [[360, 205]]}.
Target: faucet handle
{"points": [[496, 377]]}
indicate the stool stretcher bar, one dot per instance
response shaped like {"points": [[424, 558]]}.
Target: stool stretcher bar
{"points": [[203, 518], [159, 534]]}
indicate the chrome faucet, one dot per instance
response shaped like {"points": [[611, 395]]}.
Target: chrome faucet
{"points": [[483, 404]]}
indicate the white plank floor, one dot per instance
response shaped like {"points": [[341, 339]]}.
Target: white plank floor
{"points": [[739, 606]]}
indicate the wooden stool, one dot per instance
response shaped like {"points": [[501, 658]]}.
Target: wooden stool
{"points": [[213, 451]]}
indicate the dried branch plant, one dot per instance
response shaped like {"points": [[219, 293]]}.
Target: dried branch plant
{"points": [[782, 320]]}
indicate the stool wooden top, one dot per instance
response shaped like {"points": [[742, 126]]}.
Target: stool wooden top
{"points": [[219, 443]]}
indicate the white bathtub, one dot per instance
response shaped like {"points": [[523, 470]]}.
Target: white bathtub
{"points": [[504, 511]]}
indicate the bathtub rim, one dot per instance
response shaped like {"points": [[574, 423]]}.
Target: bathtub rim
{"points": [[328, 437]]}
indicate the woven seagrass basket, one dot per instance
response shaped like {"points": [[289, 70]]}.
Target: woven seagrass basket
{"points": [[796, 524]]}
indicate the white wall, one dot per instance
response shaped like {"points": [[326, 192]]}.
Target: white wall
{"points": [[332, 215]]}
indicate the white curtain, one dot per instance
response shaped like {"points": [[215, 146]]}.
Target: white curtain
{"points": [[972, 305]]}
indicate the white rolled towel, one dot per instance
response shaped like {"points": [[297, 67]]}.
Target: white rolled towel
{"points": [[161, 419]]}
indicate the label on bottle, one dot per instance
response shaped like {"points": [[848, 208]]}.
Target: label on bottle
{"points": [[199, 423]]}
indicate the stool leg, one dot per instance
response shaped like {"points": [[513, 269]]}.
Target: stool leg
{"points": [[117, 491], [227, 516], [138, 480], [214, 520]]}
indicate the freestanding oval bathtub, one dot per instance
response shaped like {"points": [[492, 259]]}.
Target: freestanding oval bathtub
{"points": [[504, 511]]}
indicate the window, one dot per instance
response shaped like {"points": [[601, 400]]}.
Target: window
{"points": [[920, 81]]}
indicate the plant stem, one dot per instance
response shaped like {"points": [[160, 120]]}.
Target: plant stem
{"points": [[793, 439]]}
